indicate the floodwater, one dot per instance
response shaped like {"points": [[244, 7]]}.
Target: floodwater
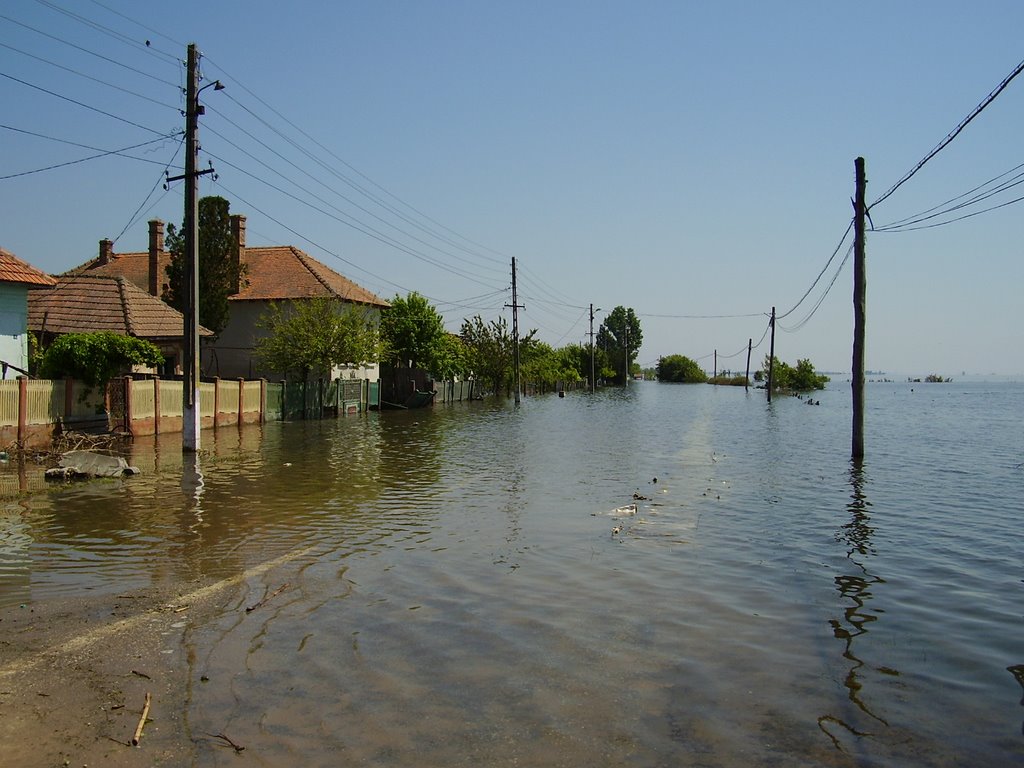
{"points": [[459, 588]]}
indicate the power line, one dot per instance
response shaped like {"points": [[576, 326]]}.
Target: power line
{"points": [[90, 77], [823, 269], [86, 50], [100, 154], [952, 134], [108, 31], [821, 299], [81, 104]]}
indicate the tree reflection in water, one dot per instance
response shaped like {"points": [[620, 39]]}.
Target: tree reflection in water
{"points": [[855, 588]]}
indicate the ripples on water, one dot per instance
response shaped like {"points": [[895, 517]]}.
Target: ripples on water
{"points": [[466, 601]]}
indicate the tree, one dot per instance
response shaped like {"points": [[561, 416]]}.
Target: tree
{"points": [[314, 336], [95, 358], [219, 274], [413, 334], [802, 378], [621, 337], [489, 351], [679, 368]]}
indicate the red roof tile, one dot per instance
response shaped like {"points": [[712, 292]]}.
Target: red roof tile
{"points": [[14, 270], [89, 302]]}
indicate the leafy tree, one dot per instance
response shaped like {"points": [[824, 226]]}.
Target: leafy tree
{"points": [[802, 378], [621, 337], [413, 334], [679, 368], [543, 365], [95, 358], [219, 275], [313, 336], [489, 351]]}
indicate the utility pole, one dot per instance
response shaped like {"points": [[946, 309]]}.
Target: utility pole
{"points": [[859, 309], [191, 425], [515, 329], [592, 380], [626, 373], [190, 407], [746, 380], [715, 375], [771, 357]]}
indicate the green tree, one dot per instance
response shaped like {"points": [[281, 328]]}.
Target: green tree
{"points": [[621, 337], [489, 351], [313, 336], [546, 366], [95, 358], [679, 368], [219, 274], [802, 378], [413, 335]]}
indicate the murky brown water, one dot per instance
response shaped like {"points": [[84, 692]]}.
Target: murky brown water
{"points": [[456, 594]]}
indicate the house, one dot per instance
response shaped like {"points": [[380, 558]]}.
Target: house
{"points": [[271, 274], [92, 302], [17, 279]]}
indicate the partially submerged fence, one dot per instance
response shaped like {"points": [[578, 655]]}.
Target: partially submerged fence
{"points": [[32, 409]]}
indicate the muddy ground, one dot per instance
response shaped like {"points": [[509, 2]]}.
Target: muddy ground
{"points": [[74, 675]]}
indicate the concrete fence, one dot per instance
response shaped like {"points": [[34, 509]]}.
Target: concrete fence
{"points": [[32, 409]]}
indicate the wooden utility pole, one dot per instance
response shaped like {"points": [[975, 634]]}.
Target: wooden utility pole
{"points": [[715, 376], [859, 308], [515, 331], [771, 357], [746, 380], [592, 371]]}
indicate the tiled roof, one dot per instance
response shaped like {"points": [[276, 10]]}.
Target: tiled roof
{"points": [[14, 270], [277, 272], [134, 266], [89, 302], [284, 272]]}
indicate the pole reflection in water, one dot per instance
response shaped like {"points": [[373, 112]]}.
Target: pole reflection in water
{"points": [[855, 588], [192, 485]]}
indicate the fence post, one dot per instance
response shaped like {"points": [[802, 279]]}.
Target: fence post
{"points": [[69, 399], [263, 401], [22, 409], [156, 405], [241, 399], [129, 415], [216, 401]]}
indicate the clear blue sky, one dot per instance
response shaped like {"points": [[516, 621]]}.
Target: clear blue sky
{"points": [[681, 158]]}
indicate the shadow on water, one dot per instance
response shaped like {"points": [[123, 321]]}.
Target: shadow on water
{"points": [[855, 588]]}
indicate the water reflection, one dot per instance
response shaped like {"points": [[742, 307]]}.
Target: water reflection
{"points": [[855, 590]]}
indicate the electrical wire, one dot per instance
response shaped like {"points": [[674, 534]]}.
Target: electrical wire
{"points": [[818, 303], [86, 50], [952, 134], [106, 153], [823, 269], [81, 104], [90, 77]]}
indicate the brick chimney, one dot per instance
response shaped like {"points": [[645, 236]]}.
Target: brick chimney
{"points": [[156, 247], [238, 234], [106, 251]]}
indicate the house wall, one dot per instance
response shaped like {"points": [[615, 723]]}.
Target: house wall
{"points": [[231, 355], [14, 326]]}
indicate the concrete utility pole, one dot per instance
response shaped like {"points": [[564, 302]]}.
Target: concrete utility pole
{"points": [[190, 407], [191, 412], [859, 309]]}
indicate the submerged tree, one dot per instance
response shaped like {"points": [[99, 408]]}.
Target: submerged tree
{"points": [[489, 351], [679, 368], [620, 337], [220, 274], [413, 334], [314, 336], [802, 378]]}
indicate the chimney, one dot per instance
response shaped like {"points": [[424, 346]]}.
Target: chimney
{"points": [[106, 251], [238, 235], [156, 247]]}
